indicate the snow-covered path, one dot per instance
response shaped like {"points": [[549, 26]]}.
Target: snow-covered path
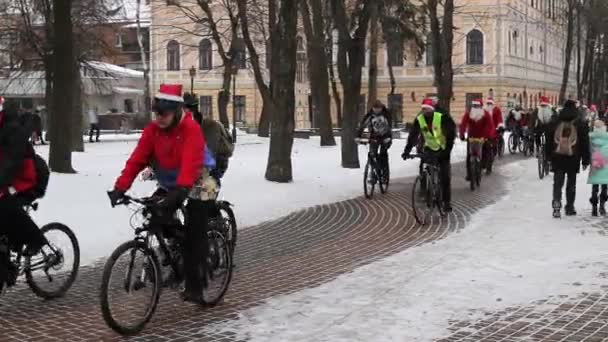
{"points": [[80, 200], [511, 253]]}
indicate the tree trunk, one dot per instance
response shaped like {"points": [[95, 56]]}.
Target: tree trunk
{"points": [[60, 155], [569, 43], [48, 97], [351, 58], [254, 59], [372, 80], [223, 97], [391, 74], [442, 45], [319, 80], [283, 78], [579, 83]]}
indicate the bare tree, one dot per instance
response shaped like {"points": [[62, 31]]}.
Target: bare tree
{"points": [[442, 34], [570, 11], [144, 59], [351, 59], [314, 28]]}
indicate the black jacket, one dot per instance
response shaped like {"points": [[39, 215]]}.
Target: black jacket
{"points": [[372, 119], [582, 152], [14, 147], [447, 125]]}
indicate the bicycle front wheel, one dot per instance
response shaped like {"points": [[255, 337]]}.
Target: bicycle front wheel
{"points": [[512, 144], [218, 268], [422, 201], [385, 179], [541, 165], [229, 222], [51, 273], [501, 147], [130, 287], [369, 181]]}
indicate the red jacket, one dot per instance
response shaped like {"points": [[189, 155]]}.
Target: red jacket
{"points": [[177, 155], [483, 128], [497, 117], [17, 168]]}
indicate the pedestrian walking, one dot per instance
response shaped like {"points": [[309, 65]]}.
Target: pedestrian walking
{"points": [[567, 146], [598, 174], [94, 121]]}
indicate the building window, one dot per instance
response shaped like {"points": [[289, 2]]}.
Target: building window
{"points": [[241, 107], [301, 61], [475, 47], [206, 106], [118, 40], [173, 59], [470, 97], [395, 105], [395, 51], [128, 106], [205, 57], [241, 54]]}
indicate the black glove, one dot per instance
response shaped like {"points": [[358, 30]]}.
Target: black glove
{"points": [[173, 200], [405, 155], [116, 196]]}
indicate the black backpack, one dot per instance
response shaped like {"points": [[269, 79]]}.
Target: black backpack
{"points": [[43, 174]]}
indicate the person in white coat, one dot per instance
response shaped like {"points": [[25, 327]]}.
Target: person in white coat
{"points": [[94, 121]]}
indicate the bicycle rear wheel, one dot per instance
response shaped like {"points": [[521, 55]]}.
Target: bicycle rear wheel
{"points": [[422, 201], [229, 223], [61, 250], [130, 287], [473, 174], [369, 181], [478, 172], [218, 268]]}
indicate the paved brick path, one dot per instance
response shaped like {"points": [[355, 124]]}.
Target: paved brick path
{"points": [[302, 250]]}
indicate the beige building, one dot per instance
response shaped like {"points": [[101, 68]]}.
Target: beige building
{"points": [[511, 50]]}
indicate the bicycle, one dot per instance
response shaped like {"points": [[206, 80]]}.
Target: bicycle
{"points": [[543, 164], [158, 241], [499, 149], [475, 158], [374, 173], [527, 143], [430, 196], [48, 264]]}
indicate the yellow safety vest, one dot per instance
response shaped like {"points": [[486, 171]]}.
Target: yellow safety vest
{"points": [[433, 140]]}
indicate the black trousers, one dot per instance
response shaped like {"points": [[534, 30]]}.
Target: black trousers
{"points": [[196, 244], [559, 178], [18, 226], [381, 150], [603, 196], [94, 129]]}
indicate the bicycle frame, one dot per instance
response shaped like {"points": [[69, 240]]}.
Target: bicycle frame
{"points": [[476, 147]]}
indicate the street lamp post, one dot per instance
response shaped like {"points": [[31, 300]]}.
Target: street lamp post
{"points": [[192, 74]]}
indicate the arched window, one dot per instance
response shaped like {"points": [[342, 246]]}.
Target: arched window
{"points": [[475, 47], [173, 59], [429, 49], [205, 59]]}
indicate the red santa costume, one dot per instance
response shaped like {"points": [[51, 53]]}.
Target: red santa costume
{"points": [[477, 123], [496, 113]]}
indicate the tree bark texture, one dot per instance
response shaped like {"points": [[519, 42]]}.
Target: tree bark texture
{"points": [[372, 78], [569, 45]]}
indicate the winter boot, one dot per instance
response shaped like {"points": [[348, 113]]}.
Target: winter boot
{"points": [[557, 209], [570, 211]]}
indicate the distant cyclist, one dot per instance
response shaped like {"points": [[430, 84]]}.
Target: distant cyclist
{"points": [[477, 123], [540, 119], [379, 125]]}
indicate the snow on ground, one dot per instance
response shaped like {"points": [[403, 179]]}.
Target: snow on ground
{"points": [[511, 253], [80, 200]]}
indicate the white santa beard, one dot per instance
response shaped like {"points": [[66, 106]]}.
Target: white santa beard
{"points": [[544, 113], [490, 108], [476, 114]]}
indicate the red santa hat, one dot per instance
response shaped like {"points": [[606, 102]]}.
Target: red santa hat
{"points": [[476, 103], [427, 104], [490, 101], [170, 92], [544, 101]]}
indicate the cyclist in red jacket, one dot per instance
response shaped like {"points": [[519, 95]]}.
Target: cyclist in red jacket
{"points": [[477, 123], [174, 146]]}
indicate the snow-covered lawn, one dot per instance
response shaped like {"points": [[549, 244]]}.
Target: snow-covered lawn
{"points": [[512, 253], [80, 200]]}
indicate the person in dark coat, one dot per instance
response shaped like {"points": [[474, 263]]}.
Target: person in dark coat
{"points": [[379, 124], [567, 147], [37, 128]]}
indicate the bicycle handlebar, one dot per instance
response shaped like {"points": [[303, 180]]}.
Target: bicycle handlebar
{"points": [[126, 200]]}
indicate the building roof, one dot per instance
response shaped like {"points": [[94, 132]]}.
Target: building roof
{"points": [[114, 71]]}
